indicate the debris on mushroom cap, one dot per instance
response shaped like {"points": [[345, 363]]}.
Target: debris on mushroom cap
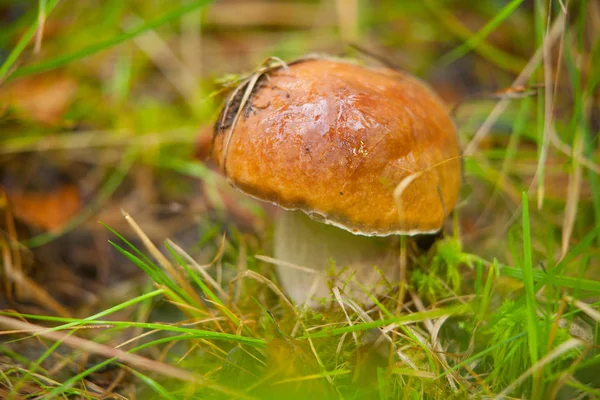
{"points": [[370, 150]]}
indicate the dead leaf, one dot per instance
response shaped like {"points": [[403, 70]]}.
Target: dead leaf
{"points": [[47, 210], [43, 98]]}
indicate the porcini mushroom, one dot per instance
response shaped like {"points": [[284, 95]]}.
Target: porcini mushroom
{"points": [[348, 152]]}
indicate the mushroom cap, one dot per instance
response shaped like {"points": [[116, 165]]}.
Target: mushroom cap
{"points": [[369, 150]]}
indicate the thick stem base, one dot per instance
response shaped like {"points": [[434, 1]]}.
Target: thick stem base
{"points": [[329, 256]]}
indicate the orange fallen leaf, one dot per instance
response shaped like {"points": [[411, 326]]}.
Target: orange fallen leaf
{"points": [[43, 98], [46, 210]]}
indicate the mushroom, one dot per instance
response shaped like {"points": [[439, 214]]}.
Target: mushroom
{"points": [[351, 154]]}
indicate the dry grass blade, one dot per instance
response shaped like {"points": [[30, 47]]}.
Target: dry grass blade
{"points": [[162, 260], [399, 190], [200, 268], [437, 347], [416, 373], [407, 181], [482, 132], [348, 20], [436, 329], [548, 106], [259, 278], [136, 338], [37, 292], [11, 254], [573, 193], [190, 43], [39, 33], [152, 249], [242, 265], [586, 308], [338, 297], [568, 151], [248, 87], [134, 360], [8, 270], [403, 267], [167, 62], [287, 264]]}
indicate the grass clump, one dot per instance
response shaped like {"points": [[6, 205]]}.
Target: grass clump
{"points": [[511, 357]]}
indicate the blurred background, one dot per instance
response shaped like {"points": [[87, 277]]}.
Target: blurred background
{"points": [[108, 106]]}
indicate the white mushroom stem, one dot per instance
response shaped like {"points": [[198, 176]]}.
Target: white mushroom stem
{"points": [[328, 256]]}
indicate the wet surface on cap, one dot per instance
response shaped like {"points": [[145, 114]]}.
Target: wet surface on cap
{"points": [[338, 139]]}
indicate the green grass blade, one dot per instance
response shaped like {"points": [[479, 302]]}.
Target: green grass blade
{"points": [[486, 293], [194, 169], [227, 337], [147, 260], [34, 367], [496, 56], [481, 354], [532, 331], [584, 245], [159, 276], [92, 318], [66, 385], [105, 44], [593, 177], [157, 387], [186, 332], [479, 36], [543, 278], [22, 44], [415, 317], [205, 289]]}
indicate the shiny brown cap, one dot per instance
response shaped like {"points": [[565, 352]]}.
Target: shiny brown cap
{"points": [[369, 150]]}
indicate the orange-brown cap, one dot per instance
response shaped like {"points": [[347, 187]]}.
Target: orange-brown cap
{"points": [[370, 150]]}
